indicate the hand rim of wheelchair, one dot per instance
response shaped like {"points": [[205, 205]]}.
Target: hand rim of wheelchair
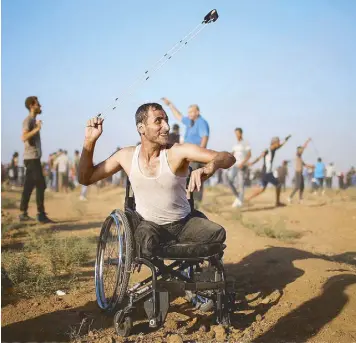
{"points": [[108, 302]]}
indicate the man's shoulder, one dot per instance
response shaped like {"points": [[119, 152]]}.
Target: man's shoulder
{"points": [[27, 121], [202, 120], [126, 153]]}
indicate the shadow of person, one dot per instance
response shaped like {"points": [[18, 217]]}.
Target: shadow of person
{"points": [[59, 326], [259, 279], [309, 318]]}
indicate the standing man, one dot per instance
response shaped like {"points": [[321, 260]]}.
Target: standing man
{"points": [[282, 174], [196, 132], [267, 170], [32, 160], [299, 177], [62, 164], [330, 173], [174, 136], [319, 175], [237, 174]]}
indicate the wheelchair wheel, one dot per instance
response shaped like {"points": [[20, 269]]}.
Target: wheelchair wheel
{"points": [[113, 261]]}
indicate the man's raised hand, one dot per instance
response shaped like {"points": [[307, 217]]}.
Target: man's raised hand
{"points": [[94, 129], [166, 101]]}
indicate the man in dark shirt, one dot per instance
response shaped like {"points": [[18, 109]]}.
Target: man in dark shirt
{"points": [[174, 136], [32, 160]]}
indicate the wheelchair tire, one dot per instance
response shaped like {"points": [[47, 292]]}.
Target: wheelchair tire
{"points": [[124, 241]]}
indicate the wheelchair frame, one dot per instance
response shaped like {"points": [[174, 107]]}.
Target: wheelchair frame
{"points": [[165, 279]]}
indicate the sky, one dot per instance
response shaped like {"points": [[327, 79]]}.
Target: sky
{"points": [[272, 67]]}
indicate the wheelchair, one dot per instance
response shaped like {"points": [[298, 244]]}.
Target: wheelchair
{"points": [[178, 269]]}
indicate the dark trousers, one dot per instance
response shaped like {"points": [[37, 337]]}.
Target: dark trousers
{"points": [[329, 181], [33, 178], [299, 185], [195, 228]]}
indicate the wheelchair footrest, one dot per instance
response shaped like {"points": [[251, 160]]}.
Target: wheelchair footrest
{"points": [[181, 286]]}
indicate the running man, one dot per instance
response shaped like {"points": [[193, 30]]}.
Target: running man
{"points": [[196, 132], [299, 177], [267, 170]]}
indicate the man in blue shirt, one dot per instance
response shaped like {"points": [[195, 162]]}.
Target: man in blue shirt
{"points": [[319, 174], [196, 132]]}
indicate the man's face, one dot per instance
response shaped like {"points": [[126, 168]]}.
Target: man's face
{"points": [[36, 108], [299, 151], [193, 113], [238, 134], [156, 128]]}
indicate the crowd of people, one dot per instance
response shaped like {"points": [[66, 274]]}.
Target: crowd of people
{"points": [[60, 173]]}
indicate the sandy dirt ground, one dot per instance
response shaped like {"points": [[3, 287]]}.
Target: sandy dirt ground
{"points": [[298, 285]]}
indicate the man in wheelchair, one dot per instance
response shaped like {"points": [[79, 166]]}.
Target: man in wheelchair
{"points": [[158, 175]]}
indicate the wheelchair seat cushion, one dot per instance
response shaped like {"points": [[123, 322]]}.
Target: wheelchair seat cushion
{"points": [[194, 250]]}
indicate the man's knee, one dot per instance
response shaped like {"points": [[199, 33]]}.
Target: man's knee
{"points": [[147, 238], [218, 233]]}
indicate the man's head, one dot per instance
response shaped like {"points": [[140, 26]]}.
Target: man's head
{"points": [[299, 150], [76, 152], [238, 133], [152, 123], [65, 152], [331, 163], [175, 129], [319, 159], [33, 105], [275, 143], [193, 112]]}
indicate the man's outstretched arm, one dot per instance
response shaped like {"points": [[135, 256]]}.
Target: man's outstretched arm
{"points": [[174, 109], [214, 160], [284, 142], [306, 144], [257, 159], [88, 173]]}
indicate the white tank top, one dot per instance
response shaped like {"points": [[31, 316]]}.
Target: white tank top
{"points": [[161, 199]]}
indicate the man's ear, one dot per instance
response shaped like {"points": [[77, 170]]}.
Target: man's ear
{"points": [[141, 128]]}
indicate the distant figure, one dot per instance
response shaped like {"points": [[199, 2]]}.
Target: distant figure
{"points": [[235, 176], [174, 136], [330, 173], [299, 177], [349, 177], [196, 132], [76, 167], [319, 175], [267, 170], [282, 175], [14, 169], [340, 177], [62, 162], [32, 160]]}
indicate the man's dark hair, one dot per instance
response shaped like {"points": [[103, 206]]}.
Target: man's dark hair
{"points": [[175, 127], [319, 159], [31, 100], [76, 152], [142, 112], [239, 129]]}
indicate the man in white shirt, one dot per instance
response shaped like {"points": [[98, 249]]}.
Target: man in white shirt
{"points": [[330, 173], [62, 162], [235, 176]]}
